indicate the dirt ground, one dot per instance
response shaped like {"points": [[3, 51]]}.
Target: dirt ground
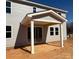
{"points": [[43, 51]]}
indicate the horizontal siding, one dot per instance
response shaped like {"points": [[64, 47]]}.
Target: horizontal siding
{"points": [[51, 38], [18, 12]]}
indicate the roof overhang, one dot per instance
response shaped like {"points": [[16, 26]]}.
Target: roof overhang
{"points": [[25, 2], [49, 11], [30, 16]]}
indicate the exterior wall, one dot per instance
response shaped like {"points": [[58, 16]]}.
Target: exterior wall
{"points": [[62, 14], [18, 12], [65, 30], [51, 38]]}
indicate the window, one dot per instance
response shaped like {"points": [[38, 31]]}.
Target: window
{"points": [[56, 31], [29, 33], [37, 34], [8, 31], [8, 7], [34, 9], [59, 13], [51, 31]]}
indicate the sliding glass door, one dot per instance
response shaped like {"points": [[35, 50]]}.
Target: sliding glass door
{"points": [[37, 34]]}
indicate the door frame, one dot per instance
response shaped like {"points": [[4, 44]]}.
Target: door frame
{"points": [[34, 38]]}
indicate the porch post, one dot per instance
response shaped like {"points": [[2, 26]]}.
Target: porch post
{"points": [[32, 37], [61, 39]]}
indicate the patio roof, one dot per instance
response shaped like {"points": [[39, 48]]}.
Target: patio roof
{"points": [[33, 16], [49, 11], [30, 18]]}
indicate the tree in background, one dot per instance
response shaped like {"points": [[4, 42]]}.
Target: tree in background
{"points": [[70, 28]]}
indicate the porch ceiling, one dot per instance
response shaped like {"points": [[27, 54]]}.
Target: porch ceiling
{"points": [[44, 23], [40, 21]]}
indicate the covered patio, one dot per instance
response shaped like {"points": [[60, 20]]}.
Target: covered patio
{"points": [[35, 19]]}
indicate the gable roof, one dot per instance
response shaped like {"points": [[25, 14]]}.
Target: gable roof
{"points": [[38, 5], [50, 12], [35, 16]]}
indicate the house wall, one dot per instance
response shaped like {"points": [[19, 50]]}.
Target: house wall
{"points": [[19, 32], [62, 14], [46, 30], [54, 37], [64, 30], [51, 38], [18, 12]]}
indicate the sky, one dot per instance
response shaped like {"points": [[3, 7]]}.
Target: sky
{"points": [[62, 4]]}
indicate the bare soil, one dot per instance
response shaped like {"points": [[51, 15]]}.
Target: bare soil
{"points": [[43, 51]]}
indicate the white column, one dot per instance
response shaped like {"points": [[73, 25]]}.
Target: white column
{"points": [[61, 39], [32, 37]]}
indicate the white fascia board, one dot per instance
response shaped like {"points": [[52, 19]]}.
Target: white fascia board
{"points": [[49, 11], [35, 14], [58, 15], [29, 15]]}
